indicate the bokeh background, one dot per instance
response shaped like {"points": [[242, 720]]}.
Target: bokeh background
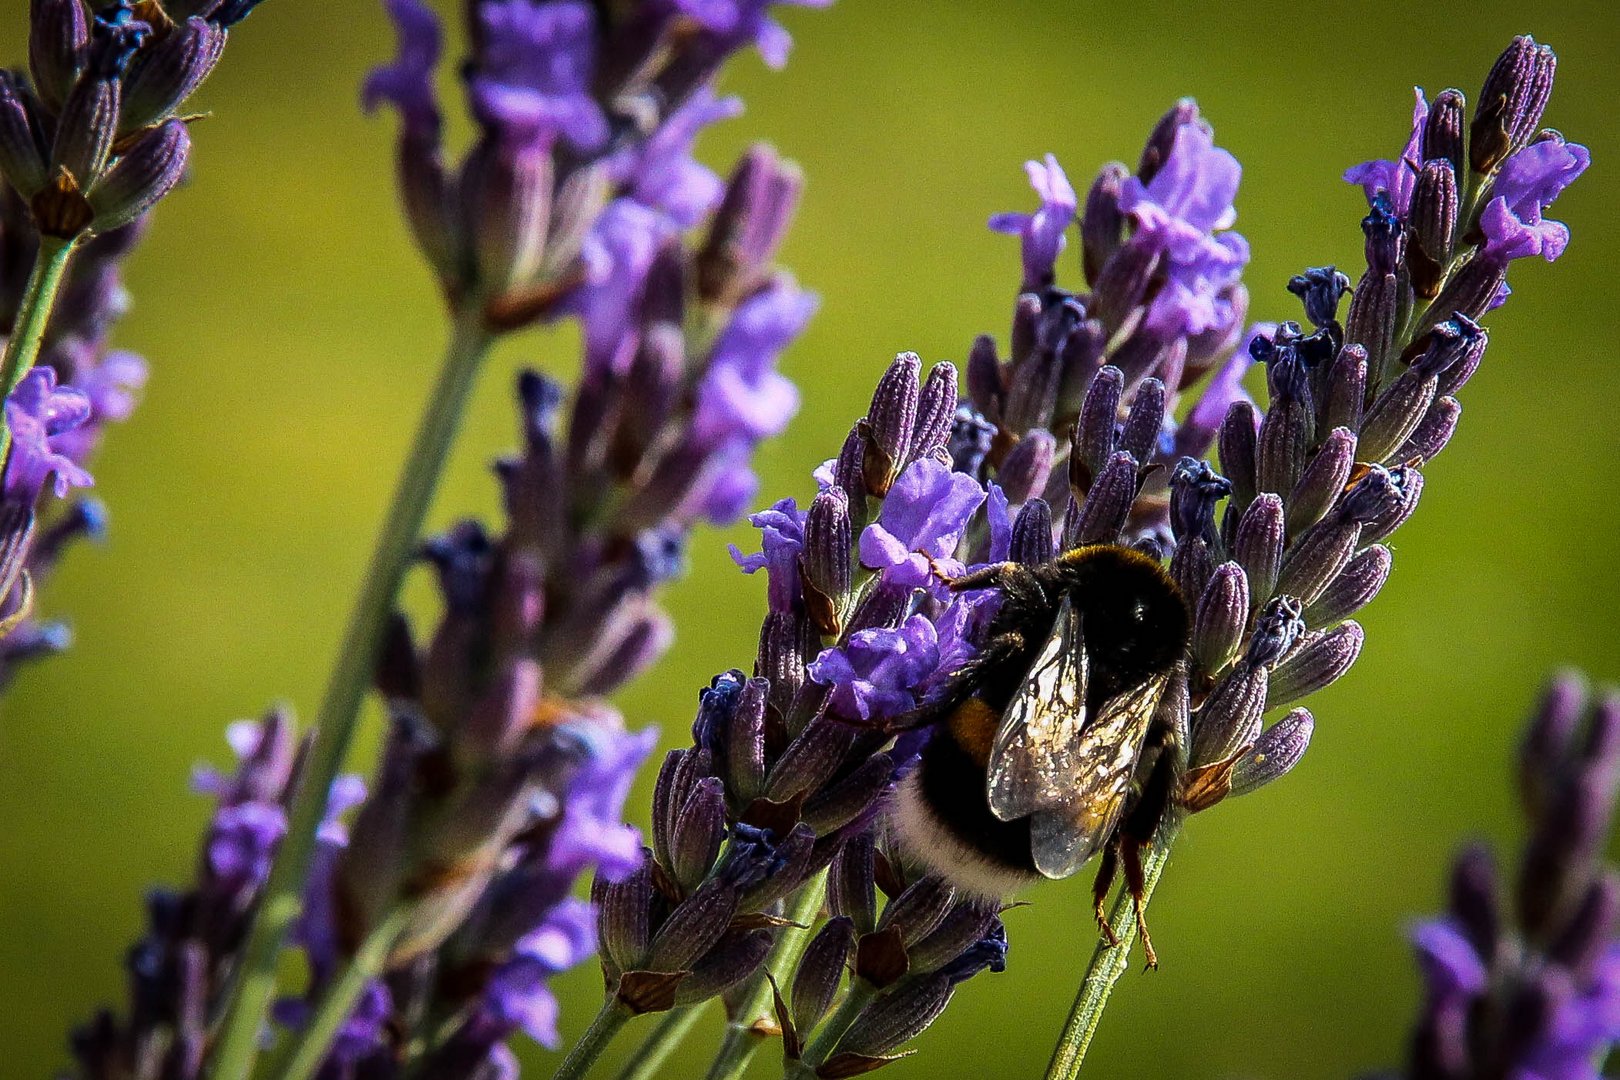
{"points": [[292, 335]]}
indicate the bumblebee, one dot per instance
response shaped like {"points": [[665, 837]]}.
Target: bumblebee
{"points": [[1050, 746]]}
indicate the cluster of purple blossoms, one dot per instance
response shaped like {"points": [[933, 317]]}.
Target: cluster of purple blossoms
{"points": [[90, 140], [1071, 439], [504, 773], [1535, 996]]}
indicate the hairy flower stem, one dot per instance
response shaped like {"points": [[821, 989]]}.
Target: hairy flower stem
{"points": [[305, 1053], [741, 1038], [33, 316], [648, 1060], [340, 708], [595, 1040], [860, 993], [1108, 963]]}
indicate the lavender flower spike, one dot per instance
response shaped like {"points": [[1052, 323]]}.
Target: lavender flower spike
{"points": [[1042, 231], [1534, 993]]}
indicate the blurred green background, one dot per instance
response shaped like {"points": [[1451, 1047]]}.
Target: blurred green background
{"points": [[292, 335]]}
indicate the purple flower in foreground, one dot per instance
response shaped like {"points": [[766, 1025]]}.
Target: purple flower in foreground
{"points": [[1528, 182], [877, 673], [519, 995], [1397, 178], [781, 539], [1042, 231], [533, 69], [407, 83], [40, 413], [921, 522]]}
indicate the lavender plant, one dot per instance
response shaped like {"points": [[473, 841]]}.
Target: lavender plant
{"points": [[91, 138], [864, 625], [1533, 990], [430, 936]]}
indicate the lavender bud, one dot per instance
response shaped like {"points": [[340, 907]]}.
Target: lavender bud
{"points": [[1472, 290], [1230, 716], [820, 970], [1191, 566], [1108, 503], [786, 866], [1433, 432], [735, 957], [22, 163], [1433, 219], [700, 827], [1550, 739], [890, 422], [1195, 488], [892, 1020], [1026, 329], [1473, 904], [745, 743], [696, 924], [1374, 496], [1145, 422], [1094, 430], [677, 777], [1454, 376], [1320, 288], [1258, 546], [972, 436], [1318, 557], [1285, 435], [58, 39], [1278, 627], [824, 561], [1409, 482], [1162, 139], [985, 385], [1278, 749], [1101, 223], [1027, 466], [145, 173], [86, 128], [749, 225], [1374, 310], [1384, 233], [1317, 663], [964, 926], [841, 802], [1238, 453], [852, 882], [849, 473], [784, 638], [936, 412], [1222, 617], [1396, 415], [919, 909], [506, 206], [16, 533], [165, 75], [1508, 103], [1590, 930], [622, 923], [1557, 866], [1443, 130], [1322, 481], [1123, 282], [810, 760], [1032, 534], [1353, 589], [1344, 394]]}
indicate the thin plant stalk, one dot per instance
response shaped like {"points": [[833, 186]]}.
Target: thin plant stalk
{"points": [[33, 316], [603, 1028], [648, 1060], [335, 723], [1108, 963], [741, 1039], [308, 1049]]}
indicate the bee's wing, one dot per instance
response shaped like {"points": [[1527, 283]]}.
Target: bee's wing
{"points": [[1032, 761], [1064, 836]]}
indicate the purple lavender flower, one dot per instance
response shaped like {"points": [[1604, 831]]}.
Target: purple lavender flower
{"points": [[662, 173], [39, 414], [742, 22], [1526, 185], [1042, 231], [1538, 995], [1397, 178], [922, 521], [781, 539], [878, 672], [407, 83], [532, 71]]}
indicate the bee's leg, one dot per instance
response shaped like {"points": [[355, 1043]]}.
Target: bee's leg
{"points": [[993, 576], [1131, 856], [1100, 887]]}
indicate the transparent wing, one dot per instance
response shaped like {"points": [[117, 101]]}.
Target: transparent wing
{"points": [[1064, 836], [1033, 765]]}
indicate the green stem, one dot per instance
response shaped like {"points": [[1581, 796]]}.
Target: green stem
{"points": [[1108, 963], [742, 1039], [335, 723], [859, 996], [593, 1042], [33, 316], [305, 1054], [648, 1060]]}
